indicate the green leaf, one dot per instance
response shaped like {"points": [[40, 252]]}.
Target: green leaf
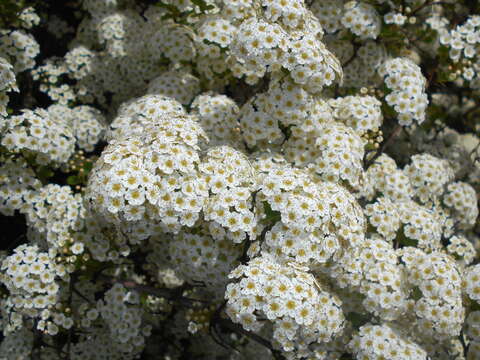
{"points": [[44, 173], [203, 5], [73, 180], [416, 293], [357, 319], [474, 306], [272, 215]]}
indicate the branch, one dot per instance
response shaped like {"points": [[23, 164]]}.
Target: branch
{"points": [[227, 324], [424, 5], [175, 294], [384, 146], [236, 328]]}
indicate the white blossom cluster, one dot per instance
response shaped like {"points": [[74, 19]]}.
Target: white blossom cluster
{"points": [[464, 44], [31, 277], [119, 309], [35, 132], [360, 113], [407, 84], [361, 19], [383, 342], [7, 84], [301, 311], [20, 47]]}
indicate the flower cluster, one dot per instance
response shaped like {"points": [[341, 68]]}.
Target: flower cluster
{"points": [[463, 44], [360, 113], [420, 224], [471, 282], [462, 249], [428, 176], [439, 309], [218, 116], [200, 258], [317, 218], [341, 154], [361, 19], [151, 178], [31, 276], [17, 185], [178, 84], [121, 313], [230, 180], [383, 342], [462, 199], [300, 310], [35, 132], [407, 84], [372, 269], [19, 46], [383, 215], [53, 213], [133, 116], [384, 177], [7, 84]]}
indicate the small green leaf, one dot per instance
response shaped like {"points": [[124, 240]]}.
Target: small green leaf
{"points": [[272, 215], [416, 293], [203, 5], [73, 180], [44, 173], [357, 319]]}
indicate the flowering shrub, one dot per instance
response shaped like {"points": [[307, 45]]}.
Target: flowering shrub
{"points": [[240, 179]]}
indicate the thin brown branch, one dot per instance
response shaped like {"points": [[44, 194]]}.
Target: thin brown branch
{"points": [[384, 146], [175, 294], [428, 3]]}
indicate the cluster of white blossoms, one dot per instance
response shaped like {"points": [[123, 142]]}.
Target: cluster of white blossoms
{"points": [[17, 184], [462, 249], [7, 84], [36, 133], [218, 116], [471, 282], [407, 85], [31, 277], [384, 177], [372, 269], [317, 218], [384, 342], [201, 258], [341, 152], [361, 19], [233, 179], [151, 178], [439, 311], [20, 48], [462, 199], [428, 176], [420, 224], [177, 84], [472, 330], [302, 312], [230, 181], [360, 113], [88, 126], [383, 214], [121, 313], [463, 43], [329, 14], [133, 116], [52, 213]]}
